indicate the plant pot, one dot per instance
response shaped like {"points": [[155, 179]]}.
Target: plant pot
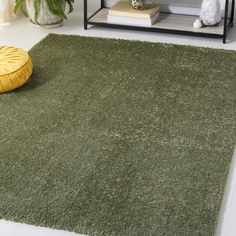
{"points": [[46, 17]]}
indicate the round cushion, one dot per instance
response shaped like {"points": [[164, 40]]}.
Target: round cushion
{"points": [[15, 68]]}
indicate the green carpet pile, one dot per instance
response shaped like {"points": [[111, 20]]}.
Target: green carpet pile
{"points": [[119, 138]]}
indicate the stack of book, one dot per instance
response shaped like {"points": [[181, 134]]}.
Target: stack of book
{"points": [[122, 13]]}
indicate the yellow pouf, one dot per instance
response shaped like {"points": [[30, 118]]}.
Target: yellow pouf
{"points": [[15, 68]]}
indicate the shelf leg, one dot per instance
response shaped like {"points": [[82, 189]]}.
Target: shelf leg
{"points": [[102, 3], [85, 14], [225, 20], [232, 13]]}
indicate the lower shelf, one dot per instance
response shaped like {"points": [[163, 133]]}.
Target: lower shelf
{"points": [[166, 22]]}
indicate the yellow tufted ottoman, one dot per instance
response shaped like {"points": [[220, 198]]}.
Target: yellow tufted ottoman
{"points": [[15, 68]]}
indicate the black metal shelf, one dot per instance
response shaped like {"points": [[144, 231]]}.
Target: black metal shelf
{"points": [[167, 23]]}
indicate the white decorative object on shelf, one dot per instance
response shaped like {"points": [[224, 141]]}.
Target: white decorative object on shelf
{"points": [[137, 4], [197, 24], [210, 14]]}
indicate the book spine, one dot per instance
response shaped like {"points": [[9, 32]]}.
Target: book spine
{"points": [[132, 21], [129, 14]]}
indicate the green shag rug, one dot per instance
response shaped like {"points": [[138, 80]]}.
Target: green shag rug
{"points": [[119, 138]]}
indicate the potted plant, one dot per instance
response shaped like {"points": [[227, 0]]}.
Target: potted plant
{"points": [[47, 13]]}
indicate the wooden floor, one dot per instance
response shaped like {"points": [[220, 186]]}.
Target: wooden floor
{"points": [[169, 21]]}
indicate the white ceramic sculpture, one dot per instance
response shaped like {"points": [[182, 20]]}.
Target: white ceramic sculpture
{"points": [[210, 14]]}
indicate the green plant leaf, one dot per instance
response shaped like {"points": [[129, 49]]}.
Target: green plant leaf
{"points": [[70, 4], [55, 7], [18, 5], [37, 5]]}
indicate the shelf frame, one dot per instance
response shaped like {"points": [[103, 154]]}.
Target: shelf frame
{"points": [[228, 20]]}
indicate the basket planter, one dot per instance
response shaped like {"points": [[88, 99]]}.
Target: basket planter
{"points": [[46, 17]]}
